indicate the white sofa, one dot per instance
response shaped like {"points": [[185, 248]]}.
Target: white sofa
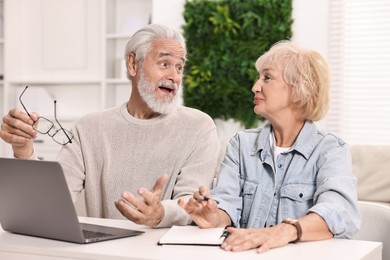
{"points": [[371, 166], [375, 225]]}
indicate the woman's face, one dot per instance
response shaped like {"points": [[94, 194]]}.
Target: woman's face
{"points": [[272, 98]]}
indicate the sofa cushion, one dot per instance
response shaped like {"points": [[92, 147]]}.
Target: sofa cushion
{"points": [[375, 225], [371, 166]]}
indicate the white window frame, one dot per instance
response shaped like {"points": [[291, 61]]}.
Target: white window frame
{"points": [[359, 54]]}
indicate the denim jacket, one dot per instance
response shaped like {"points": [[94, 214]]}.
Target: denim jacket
{"points": [[314, 176]]}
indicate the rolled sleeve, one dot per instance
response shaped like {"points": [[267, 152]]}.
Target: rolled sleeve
{"points": [[336, 195], [198, 170]]}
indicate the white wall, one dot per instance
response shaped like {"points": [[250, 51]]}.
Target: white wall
{"points": [[310, 29], [168, 12]]}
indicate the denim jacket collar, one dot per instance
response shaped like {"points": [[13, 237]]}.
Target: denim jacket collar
{"points": [[308, 131]]}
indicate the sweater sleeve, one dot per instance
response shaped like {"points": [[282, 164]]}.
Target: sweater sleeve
{"points": [[198, 170], [174, 215], [71, 160]]}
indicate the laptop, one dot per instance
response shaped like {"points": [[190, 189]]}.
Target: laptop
{"points": [[35, 201]]}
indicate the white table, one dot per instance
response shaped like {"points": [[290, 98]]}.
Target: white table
{"points": [[13, 246]]}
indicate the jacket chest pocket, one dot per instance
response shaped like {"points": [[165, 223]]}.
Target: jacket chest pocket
{"points": [[248, 195], [296, 199]]}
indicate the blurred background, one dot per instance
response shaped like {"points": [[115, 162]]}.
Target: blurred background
{"points": [[72, 51]]}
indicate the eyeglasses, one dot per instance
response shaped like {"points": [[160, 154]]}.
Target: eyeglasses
{"points": [[45, 126]]}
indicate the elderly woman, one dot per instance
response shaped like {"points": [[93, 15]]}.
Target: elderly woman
{"points": [[288, 181]]}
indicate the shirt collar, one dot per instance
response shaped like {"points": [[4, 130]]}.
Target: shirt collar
{"points": [[262, 142], [307, 139], [304, 144]]}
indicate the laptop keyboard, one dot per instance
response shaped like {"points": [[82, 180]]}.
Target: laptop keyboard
{"points": [[88, 234]]}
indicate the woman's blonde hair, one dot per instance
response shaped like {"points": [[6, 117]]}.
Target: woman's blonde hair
{"points": [[308, 74]]}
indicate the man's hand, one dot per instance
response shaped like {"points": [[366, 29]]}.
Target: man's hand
{"points": [[17, 130], [149, 211]]}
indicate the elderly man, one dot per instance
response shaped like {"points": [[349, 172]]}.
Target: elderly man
{"points": [[140, 158]]}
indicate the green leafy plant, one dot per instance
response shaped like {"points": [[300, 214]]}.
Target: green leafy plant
{"points": [[224, 39]]}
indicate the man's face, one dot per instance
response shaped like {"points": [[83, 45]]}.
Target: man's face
{"points": [[161, 74]]}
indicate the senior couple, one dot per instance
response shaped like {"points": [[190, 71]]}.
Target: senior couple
{"points": [[152, 161]]}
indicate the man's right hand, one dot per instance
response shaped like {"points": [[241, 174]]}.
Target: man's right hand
{"points": [[17, 130]]}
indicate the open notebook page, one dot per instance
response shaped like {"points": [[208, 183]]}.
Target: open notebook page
{"points": [[192, 235]]}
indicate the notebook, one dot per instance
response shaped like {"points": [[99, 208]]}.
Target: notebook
{"points": [[35, 201], [193, 235]]}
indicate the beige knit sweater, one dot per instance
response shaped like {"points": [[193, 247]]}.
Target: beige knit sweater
{"points": [[114, 152]]}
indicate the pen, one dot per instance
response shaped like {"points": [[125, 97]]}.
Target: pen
{"points": [[225, 233], [205, 198]]}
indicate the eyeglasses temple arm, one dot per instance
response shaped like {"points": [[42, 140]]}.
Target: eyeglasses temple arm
{"points": [[55, 117], [21, 102]]}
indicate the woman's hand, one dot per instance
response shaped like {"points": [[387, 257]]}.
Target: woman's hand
{"points": [[204, 210], [261, 238]]}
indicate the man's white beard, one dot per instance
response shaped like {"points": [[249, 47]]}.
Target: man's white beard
{"points": [[147, 92]]}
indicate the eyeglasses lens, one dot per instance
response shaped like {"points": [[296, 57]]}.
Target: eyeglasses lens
{"points": [[63, 136], [43, 125]]}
